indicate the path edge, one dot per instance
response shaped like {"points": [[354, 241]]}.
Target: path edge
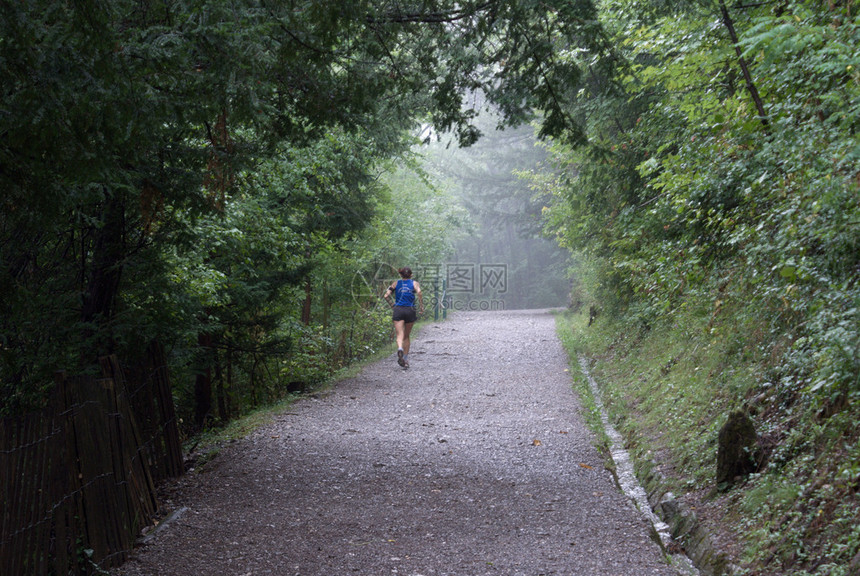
{"points": [[686, 530]]}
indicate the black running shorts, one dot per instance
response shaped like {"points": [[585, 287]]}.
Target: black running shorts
{"points": [[406, 313]]}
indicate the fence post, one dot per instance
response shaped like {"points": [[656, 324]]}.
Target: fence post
{"points": [[76, 477], [444, 297], [65, 483], [436, 300], [167, 413]]}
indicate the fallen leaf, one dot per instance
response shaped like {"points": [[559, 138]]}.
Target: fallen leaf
{"points": [[562, 431], [536, 442], [586, 466]]}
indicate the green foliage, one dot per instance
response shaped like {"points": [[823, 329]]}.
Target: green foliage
{"points": [[682, 183], [180, 171], [669, 388], [729, 240], [568, 327]]}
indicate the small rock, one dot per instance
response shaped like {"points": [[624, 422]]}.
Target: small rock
{"points": [[737, 450]]}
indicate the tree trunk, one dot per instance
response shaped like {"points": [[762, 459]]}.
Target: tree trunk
{"points": [[104, 278], [219, 178], [751, 87], [306, 307], [229, 399], [253, 383], [326, 305], [203, 384], [218, 181], [223, 415]]}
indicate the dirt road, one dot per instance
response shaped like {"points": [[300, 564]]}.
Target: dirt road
{"points": [[474, 462]]}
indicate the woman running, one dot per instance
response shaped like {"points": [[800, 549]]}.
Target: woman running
{"points": [[405, 291]]}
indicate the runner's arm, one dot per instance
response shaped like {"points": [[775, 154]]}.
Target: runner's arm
{"points": [[420, 296]]}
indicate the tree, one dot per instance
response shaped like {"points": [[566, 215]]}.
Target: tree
{"points": [[718, 198], [126, 125], [491, 180]]}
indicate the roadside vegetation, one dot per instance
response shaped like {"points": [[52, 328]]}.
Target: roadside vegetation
{"points": [[714, 223], [669, 389], [236, 181]]}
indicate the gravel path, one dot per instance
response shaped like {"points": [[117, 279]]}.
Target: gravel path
{"points": [[475, 461]]}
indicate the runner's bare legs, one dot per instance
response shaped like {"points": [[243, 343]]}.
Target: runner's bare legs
{"points": [[399, 333], [407, 330], [402, 330]]}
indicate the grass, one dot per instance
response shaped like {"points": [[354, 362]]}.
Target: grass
{"points": [[591, 411], [668, 389]]}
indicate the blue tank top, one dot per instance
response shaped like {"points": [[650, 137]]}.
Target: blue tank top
{"points": [[404, 293]]}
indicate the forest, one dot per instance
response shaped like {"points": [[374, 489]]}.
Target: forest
{"points": [[234, 181]]}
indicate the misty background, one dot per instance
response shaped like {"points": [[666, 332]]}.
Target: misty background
{"points": [[512, 265]]}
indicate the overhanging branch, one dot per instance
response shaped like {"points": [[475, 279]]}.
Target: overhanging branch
{"points": [[445, 17]]}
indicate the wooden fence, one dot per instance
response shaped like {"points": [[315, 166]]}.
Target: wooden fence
{"points": [[77, 480]]}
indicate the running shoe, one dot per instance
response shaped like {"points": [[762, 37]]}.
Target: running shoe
{"points": [[400, 359]]}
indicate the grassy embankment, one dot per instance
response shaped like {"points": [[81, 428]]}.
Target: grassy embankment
{"points": [[669, 388]]}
